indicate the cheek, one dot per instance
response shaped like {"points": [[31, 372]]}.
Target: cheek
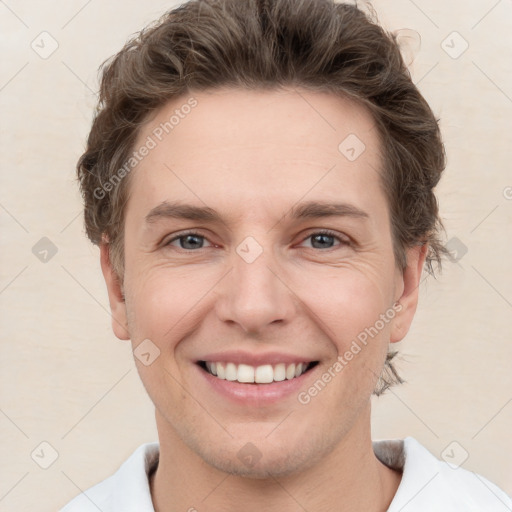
{"points": [[349, 309], [354, 310], [164, 303], [157, 308], [347, 302]]}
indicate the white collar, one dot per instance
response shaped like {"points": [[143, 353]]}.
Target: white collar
{"points": [[427, 484]]}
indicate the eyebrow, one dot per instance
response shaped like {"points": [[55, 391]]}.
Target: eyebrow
{"points": [[307, 210]]}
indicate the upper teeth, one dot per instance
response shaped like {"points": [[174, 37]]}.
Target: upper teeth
{"points": [[259, 374]]}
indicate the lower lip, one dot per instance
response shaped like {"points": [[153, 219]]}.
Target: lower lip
{"points": [[256, 394]]}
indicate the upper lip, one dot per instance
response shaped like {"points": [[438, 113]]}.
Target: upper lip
{"points": [[252, 359]]}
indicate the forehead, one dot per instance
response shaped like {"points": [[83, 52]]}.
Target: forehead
{"points": [[257, 147]]}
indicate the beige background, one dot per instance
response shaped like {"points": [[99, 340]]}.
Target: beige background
{"points": [[67, 381]]}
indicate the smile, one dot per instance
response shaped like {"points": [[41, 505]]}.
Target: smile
{"points": [[263, 374]]}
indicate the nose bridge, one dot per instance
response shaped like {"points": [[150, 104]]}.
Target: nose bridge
{"points": [[253, 295]]}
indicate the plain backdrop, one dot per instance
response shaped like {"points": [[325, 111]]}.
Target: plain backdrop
{"points": [[68, 383]]}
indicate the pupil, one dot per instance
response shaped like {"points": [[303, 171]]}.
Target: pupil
{"points": [[191, 238], [323, 239]]}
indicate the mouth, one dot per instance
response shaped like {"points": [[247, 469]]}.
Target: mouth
{"points": [[262, 374]]}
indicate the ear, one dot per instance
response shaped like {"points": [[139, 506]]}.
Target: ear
{"points": [[115, 294], [408, 286]]}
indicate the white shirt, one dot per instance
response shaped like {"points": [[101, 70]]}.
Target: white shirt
{"points": [[428, 484]]}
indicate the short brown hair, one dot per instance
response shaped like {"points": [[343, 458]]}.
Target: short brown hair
{"points": [[318, 45]]}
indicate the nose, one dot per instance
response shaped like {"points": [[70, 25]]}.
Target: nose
{"points": [[255, 295]]}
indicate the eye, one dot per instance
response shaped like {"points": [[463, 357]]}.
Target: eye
{"points": [[325, 239], [188, 241]]}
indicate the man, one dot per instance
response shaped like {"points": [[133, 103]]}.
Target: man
{"points": [[260, 180]]}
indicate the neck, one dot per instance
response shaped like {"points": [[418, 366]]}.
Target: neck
{"points": [[350, 478]]}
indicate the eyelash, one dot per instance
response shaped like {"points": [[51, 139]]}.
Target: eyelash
{"points": [[327, 232]]}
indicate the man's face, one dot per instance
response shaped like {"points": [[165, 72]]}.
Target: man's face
{"points": [[268, 279]]}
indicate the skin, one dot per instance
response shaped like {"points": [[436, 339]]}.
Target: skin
{"points": [[252, 156]]}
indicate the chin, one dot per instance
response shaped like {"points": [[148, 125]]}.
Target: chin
{"points": [[260, 456], [274, 465]]}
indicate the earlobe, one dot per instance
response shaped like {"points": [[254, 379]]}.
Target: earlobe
{"points": [[410, 281], [115, 294]]}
